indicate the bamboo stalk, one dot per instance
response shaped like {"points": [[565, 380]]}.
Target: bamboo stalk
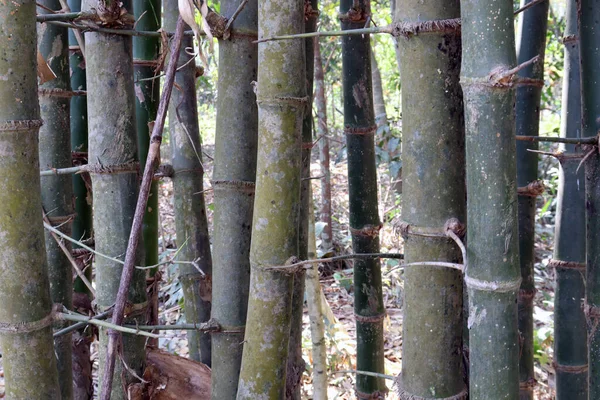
{"points": [[57, 190], [28, 358], [295, 364], [570, 328], [146, 50], [589, 37], [281, 101], [493, 276], [433, 193], [129, 270], [360, 128], [190, 212], [531, 42], [233, 182]]}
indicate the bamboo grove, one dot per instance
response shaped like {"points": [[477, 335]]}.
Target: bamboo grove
{"points": [[87, 89]]}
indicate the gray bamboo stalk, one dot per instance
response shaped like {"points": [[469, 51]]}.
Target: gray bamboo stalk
{"points": [[57, 190], [112, 143], [323, 135], [315, 307], [531, 42], [190, 211], [433, 193], [589, 37], [570, 330], [28, 356], [281, 103], [234, 176], [296, 365], [493, 276], [360, 129], [378, 98]]}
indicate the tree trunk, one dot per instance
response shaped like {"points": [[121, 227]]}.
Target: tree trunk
{"points": [[233, 182], [188, 189], [147, 91], [82, 221], [570, 330], [323, 135], [296, 365], [492, 278], [281, 104], [115, 178], [434, 195], [378, 98], [589, 36], [25, 305], [57, 190], [531, 42], [360, 128]]}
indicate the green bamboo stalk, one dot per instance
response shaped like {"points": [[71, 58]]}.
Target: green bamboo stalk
{"points": [[570, 330], [190, 210], [531, 41], [433, 193], [589, 36], [493, 276], [360, 128], [57, 190], [281, 103], [295, 363], [145, 52], [234, 176], [28, 356], [323, 135], [112, 143]]}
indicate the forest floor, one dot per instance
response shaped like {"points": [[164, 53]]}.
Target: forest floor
{"points": [[336, 282]]}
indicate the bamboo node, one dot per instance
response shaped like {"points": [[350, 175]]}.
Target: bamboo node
{"points": [[454, 225], [367, 230], [20, 125], [523, 81], [591, 312], [570, 39], [244, 186], [553, 263], [493, 286], [309, 12], [570, 369], [369, 130], [357, 14], [529, 384], [534, 189], [409, 29], [377, 395], [298, 102], [526, 294], [370, 318], [135, 310], [403, 394], [133, 166], [31, 326], [60, 93], [61, 219], [407, 229]]}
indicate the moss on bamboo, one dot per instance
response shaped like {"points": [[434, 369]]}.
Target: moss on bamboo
{"points": [[25, 305], [233, 182], [113, 142], [570, 329], [190, 211], [434, 192], [359, 122], [589, 37], [281, 104], [493, 275]]}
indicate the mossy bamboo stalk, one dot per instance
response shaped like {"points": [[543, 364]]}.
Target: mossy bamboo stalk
{"points": [[589, 37], [493, 276], [296, 364], [190, 210], [323, 135], [28, 356], [281, 99], [360, 128], [146, 51], [113, 142], [57, 191], [531, 42], [433, 193], [233, 182], [570, 329]]}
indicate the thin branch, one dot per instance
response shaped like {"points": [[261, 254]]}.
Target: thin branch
{"points": [[528, 6], [136, 228], [77, 33], [235, 14], [104, 324], [586, 140], [81, 324], [367, 373], [364, 31], [62, 171], [308, 263], [123, 32]]}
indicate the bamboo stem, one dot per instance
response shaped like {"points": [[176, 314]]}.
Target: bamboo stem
{"points": [[151, 163], [104, 324]]}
